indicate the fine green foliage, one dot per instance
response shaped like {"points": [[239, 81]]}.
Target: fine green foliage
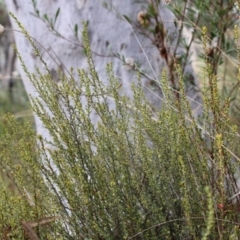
{"points": [[120, 172], [15, 102], [30, 202], [136, 174]]}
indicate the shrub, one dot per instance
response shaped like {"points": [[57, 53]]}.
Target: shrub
{"points": [[137, 174]]}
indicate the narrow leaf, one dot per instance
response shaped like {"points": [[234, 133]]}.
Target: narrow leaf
{"points": [[56, 15], [46, 17], [127, 18], [76, 30]]}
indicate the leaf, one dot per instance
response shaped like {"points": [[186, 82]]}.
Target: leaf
{"points": [[127, 18], [29, 225], [29, 231], [105, 5], [45, 16], [34, 3], [41, 221], [37, 12], [56, 15], [151, 10], [76, 30]]}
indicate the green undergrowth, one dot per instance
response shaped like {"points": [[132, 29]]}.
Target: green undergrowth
{"points": [[15, 102], [135, 174]]}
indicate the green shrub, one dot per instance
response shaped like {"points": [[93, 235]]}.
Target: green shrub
{"points": [[138, 175]]}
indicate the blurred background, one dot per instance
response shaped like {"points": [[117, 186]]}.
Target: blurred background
{"points": [[13, 98]]}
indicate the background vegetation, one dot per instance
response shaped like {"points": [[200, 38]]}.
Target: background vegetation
{"points": [[140, 174]]}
